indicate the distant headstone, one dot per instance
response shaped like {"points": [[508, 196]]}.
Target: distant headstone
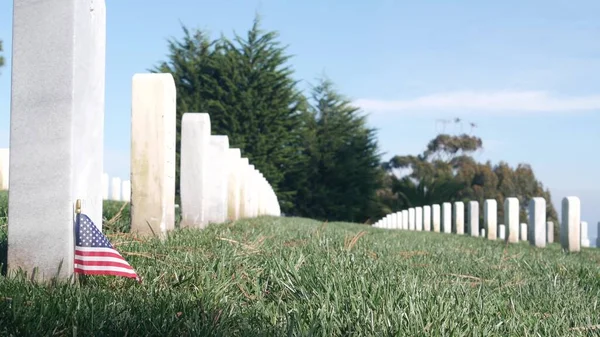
{"points": [[550, 232], [4, 168], [126, 190], [394, 224], [427, 218], [399, 223], [447, 217], [483, 232], [233, 187], [570, 231], [419, 218], [459, 217], [523, 235], [411, 219], [474, 218], [56, 130], [502, 232], [511, 219], [115, 188], [490, 218], [405, 223], [435, 218], [585, 242], [153, 123], [193, 171], [537, 222]]}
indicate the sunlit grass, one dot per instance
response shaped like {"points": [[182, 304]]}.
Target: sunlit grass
{"points": [[293, 276]]}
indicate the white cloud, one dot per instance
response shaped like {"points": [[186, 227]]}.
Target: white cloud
{"points": [[499, 102]]}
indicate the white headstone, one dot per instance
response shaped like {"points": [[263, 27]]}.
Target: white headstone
{"points": [[511, 219], [585, 242], [105, 186], [447, 217], [399, 223], [473, 218], [435, 218], [153, 123], [490, 218], [215, 206], [459, 217], [523, 234], [4, 168], [244, 188], [195, 133], [405, 224], [233, 199], [550, 232], [501, 232], [56, 130], [411, 219], [483, 232], [427, 218], [537, 222], [419, 218], [126, 190], [570, 231], [394, 221], [115, 187], [251, 193]]}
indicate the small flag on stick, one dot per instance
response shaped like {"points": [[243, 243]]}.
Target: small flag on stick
{"points": [[94, 255]]}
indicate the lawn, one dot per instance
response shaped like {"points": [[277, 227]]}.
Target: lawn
{"points": [[292, 276]]}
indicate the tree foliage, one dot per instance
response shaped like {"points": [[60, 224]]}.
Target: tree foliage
{"points": [[246, 86], [446, 172], [342, 166]]}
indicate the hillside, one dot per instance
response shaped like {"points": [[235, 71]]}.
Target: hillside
{"points": [[274, 276]]}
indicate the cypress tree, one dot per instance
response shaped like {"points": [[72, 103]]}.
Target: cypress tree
{"points": [[342, 170]]}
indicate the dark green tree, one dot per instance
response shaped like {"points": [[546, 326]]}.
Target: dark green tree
{"points": [[246, 86], [343, 163]]}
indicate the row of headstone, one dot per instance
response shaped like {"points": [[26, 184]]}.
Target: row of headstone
{"points": [[450, 218], [56, 144], [120, 190]]}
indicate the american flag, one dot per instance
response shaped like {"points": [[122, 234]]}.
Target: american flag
{"points": [[94, 255]]}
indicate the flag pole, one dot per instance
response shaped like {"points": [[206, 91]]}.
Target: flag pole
{"points": [[78, 278]]}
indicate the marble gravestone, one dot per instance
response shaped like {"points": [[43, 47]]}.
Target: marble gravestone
{"points": [[490, 218], [459, 217], [511, 219], [195, 135], [215, 205], [244, 187], [523, 232], [115, 186], [435, 218], [411, 219], [473, 218], [501, 232], [549, 231], [405, 224], [537, 222], [419, 218], [570, 231], [56, 130], [585, 242], [427, 218], [447, 217], [233, 184], [153, 123]]}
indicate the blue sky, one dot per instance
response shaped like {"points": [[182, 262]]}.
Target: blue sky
{"points": [[526, 72]]}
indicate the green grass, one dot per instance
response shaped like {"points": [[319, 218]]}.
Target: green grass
{"points": [[291, 276]]}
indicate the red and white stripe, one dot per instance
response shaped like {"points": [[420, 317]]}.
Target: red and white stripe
{"points": [[102, 261]]}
